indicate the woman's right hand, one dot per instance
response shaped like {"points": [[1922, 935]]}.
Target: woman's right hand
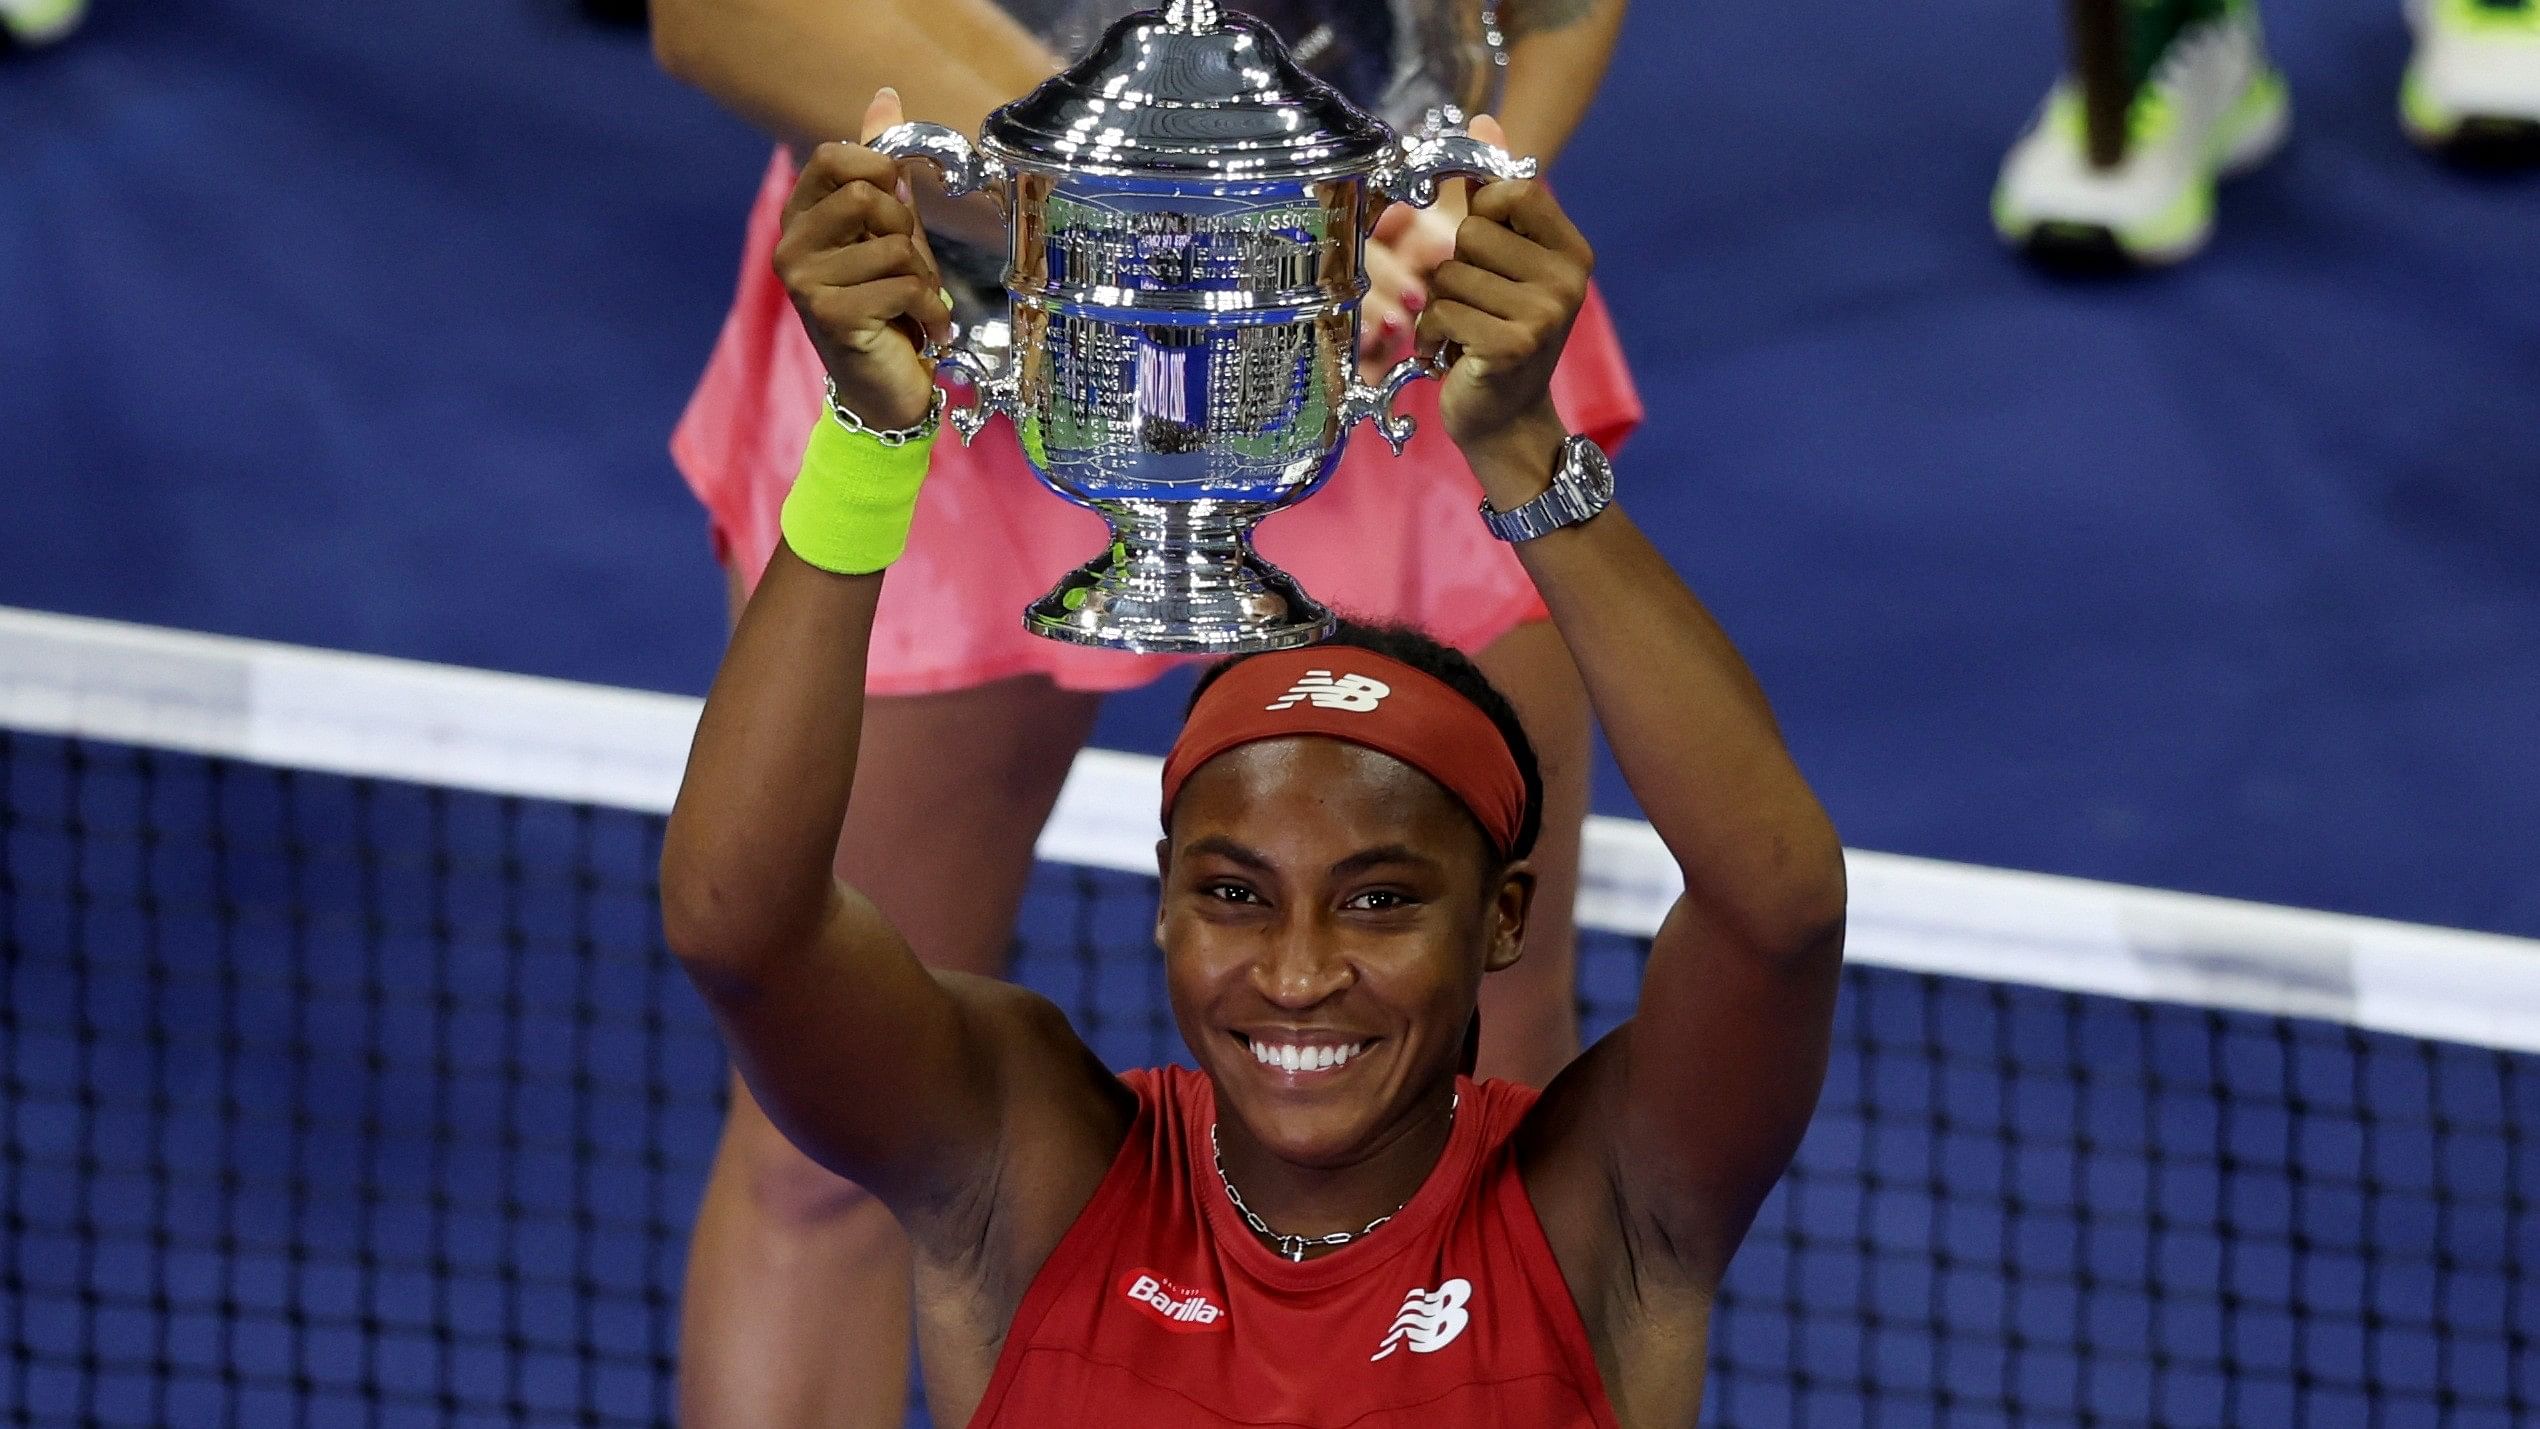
{"points": [[854, 259]]}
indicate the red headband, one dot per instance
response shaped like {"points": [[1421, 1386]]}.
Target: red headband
{"points": [[1365, 698]]}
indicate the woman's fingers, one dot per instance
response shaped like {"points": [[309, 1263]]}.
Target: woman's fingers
{"points": [[854, 260], [1391, 220], [1479, 288], [926, 305], [1523, 207], [856, 216], [1508, 299], [1429, 239], [857, 237], [1384, 315], [877, 288], [837, 166], [868, 307], [1529, 275], [881, 113], [1489, 243], [886, 255], [1448, 322], [851, 223], [1526, 208], [858, 203]]}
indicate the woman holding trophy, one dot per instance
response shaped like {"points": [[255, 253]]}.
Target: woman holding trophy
{"points": [[974, 723], [1326, 1223]]}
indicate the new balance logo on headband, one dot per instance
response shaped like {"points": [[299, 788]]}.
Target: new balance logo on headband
{"points": [[1327, 691]]}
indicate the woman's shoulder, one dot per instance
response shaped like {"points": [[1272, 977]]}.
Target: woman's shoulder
{"points": [[1179, 1093], [1499, 1106]]}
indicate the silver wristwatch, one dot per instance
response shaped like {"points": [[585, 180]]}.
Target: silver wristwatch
{"points": [[1581, 486]]}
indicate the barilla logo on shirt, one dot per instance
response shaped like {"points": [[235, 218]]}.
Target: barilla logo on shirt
{"points": [[1176, 1307]]}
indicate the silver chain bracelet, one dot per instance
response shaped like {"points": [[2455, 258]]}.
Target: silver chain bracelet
{"points": [[899, 438]]}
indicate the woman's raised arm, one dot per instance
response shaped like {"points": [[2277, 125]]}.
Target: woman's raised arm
{"points": [[794, 67], [888, 1073], [1700, 1100]]}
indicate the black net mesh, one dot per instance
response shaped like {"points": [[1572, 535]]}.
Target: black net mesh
{"points": [[333, 1101]]}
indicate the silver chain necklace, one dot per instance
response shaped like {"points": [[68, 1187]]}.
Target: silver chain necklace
{"points": [[1294, 1247]]}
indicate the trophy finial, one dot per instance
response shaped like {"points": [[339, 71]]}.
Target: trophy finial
{"points": [[1192, 17]]}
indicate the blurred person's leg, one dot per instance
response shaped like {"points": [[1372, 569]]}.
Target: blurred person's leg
{"points": [[2473, 83], [39, 22], [796, 1311], [1530, 1012], [2160, 100]]}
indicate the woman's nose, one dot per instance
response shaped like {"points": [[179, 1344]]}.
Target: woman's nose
{"points": [[1300, 966]]}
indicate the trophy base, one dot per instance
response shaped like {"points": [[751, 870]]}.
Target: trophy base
{"points": [[1179, 592]]}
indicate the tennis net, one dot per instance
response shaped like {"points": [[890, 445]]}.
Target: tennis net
{"points": [[346, 1082]]}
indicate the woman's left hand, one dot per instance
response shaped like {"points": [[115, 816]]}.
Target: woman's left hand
{"points": [[1507, 300]]}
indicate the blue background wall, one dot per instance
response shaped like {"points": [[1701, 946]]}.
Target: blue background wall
{"points": [[364, 325]]}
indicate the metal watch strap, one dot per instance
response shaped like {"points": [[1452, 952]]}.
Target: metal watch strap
{"points": [[1581, 486], [898, 438]]}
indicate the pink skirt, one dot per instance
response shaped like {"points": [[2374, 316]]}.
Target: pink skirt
{"points": [[1390, 538]]}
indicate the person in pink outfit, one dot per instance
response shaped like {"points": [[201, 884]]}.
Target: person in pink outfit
{"points": [[797, 1300]]}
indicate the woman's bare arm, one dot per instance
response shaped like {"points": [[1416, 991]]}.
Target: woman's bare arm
{"points": [[1557, 54], [1558, 50], [902, 1079], [1695, 1106], [799, 69]]}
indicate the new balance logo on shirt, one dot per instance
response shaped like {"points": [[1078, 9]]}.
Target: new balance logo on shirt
{"points": [[1430, 1320], [1324, 690], [1176, 1307]]}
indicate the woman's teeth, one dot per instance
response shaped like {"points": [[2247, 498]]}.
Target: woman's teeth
{"points": [[1289, 1057]]}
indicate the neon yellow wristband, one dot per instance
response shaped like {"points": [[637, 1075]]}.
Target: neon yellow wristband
{"points": [[851, 505]]}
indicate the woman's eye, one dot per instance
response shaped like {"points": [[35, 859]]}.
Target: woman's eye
{"points": [[1379, 900], [1228, 893]]}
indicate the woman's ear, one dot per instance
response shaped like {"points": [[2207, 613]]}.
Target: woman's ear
{"points": [[1163, 870], [1512, 901]]}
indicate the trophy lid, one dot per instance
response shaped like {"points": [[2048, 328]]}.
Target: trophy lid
{"points": [[1188, 91]]}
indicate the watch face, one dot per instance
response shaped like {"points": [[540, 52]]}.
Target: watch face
{"points": [[1581, 487], [1593, 472]]}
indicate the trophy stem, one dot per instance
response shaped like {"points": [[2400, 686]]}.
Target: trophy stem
{"points": [[1180, 579]]}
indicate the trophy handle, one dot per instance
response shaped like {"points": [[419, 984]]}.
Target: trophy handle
{"points": [[965, 166], [992, 390], [1412, 173], [1365, 403]]}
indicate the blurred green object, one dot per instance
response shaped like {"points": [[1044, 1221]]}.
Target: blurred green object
{"points": [[2153, 25], [30, 23], [2472, 88]]}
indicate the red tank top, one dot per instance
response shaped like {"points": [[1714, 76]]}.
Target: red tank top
{"points": [[1159, 1307]]}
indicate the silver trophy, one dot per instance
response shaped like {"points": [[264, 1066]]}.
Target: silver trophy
{"points": [[1187, 209]]}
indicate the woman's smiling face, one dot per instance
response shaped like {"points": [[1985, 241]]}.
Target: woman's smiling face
{"points": [[1327, 913]]}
